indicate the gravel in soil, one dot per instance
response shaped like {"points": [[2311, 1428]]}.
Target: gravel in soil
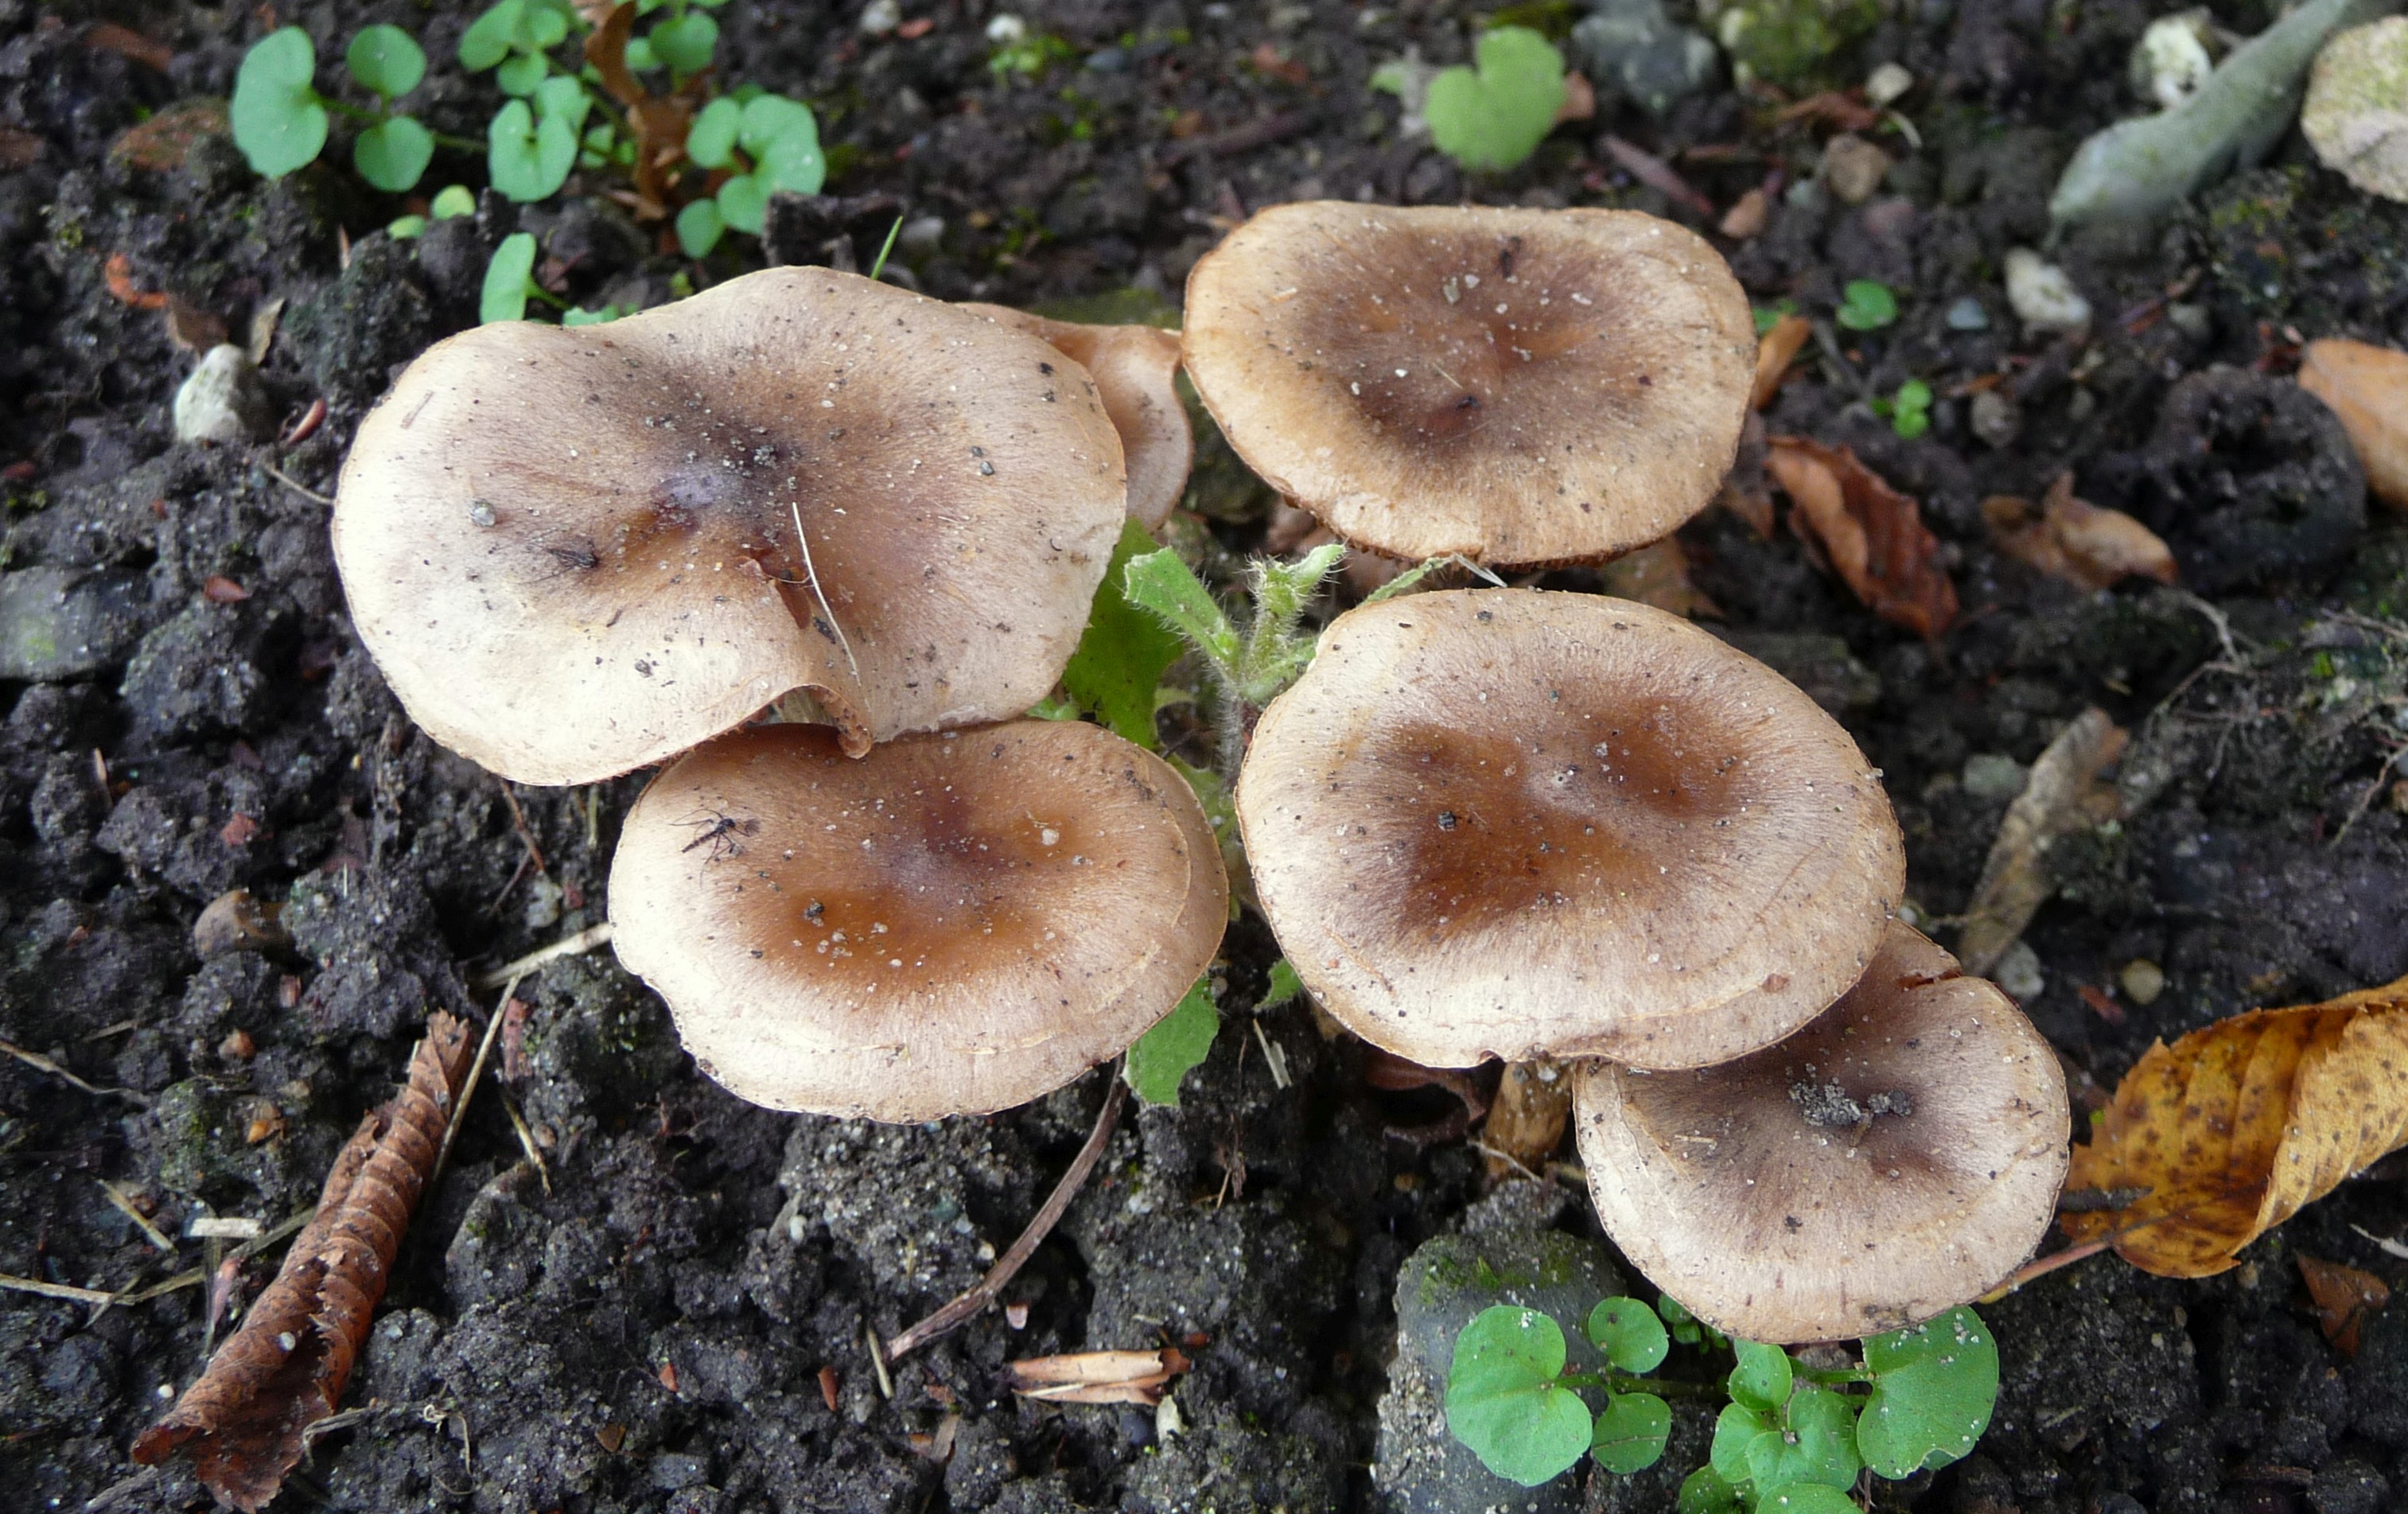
{"points": [[670, 1313]]}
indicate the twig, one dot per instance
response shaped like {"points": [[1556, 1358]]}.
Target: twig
{"points": [[526, 1141], [34, 1059], [962, 1309], [468, 1087], [878, 1360], [141, 1221], [56, 1290], [2040, 1267], [584, 940], [122, 1489], [519, 822], [295, 485]]}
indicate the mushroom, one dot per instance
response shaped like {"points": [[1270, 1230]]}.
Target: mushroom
{"points": [[1134, 367], [1519, 386], [1897, 1157], [575, 552], [953, 924], [1508, 823]]}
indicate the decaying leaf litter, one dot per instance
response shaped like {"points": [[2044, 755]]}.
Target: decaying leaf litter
{"points": [[2246, 871]]}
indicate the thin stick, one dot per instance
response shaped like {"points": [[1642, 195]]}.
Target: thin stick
{"points": [[518, 820], [527, 1140], [962, 1309], [56, 1290], [295, 485], [141, 1221], [468, 1087], [34, 1059], [2040, 1267], [803, 544], [577, 945]]}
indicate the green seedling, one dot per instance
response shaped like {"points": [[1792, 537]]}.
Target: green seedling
{"points": [[1769, 316], [1177, 1044], [1792, 1437], [281, 120], [1865, 305], [532, 145], [452, 200], [1492, 118], [1909, 413], [509, 280], [767, 144]]}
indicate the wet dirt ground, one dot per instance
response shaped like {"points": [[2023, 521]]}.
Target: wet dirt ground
{"points": [[670, 1314]]}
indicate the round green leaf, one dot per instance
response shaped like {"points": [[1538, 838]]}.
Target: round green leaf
{"points": [[507, 279], [1867, 305], [794, 164], [1495, 117], [401, 228], [392, 153], [770, 119], [640, 56], [743, 200], [712, 137], [385, 59], [698, 228], [1704, 1492], [275, 117], [1761, 1380], [1816, 1442], [685, 42], [1160, 1060], [1502, 1399], [1806, 1499], [1933, 1388], [1736, 1429], [487, 41], [545, 26], [564, 95], [529, 159], [522, 74], [1631, 1431], [1629, 1335]]}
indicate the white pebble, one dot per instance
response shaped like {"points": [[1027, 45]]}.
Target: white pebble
{"points": [[2044, 299]]}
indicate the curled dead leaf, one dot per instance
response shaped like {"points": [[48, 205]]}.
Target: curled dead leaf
{"points": [[1873, 535], [1097, 1377], [2367, 387], [2063, 796], [2344, 1296], [2075, 539], [161, 143], [2237, 1124], [1774, 352]]}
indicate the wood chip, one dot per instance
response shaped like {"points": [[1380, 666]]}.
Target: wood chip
{"points": [[1097, 1377], [2063, 796]]}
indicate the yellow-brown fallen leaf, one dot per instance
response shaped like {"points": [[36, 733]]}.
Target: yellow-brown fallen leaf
{"points": [[2226, 1133], [2367, 387], [2063, 795], [2344, 1296], [2075, 539], [1873, 535], [1774, 352], [1658, 574], [1097, 1377]]}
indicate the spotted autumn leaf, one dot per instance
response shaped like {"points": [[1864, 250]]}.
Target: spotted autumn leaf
{"points": [[2227, 1132], [1873, 535]]}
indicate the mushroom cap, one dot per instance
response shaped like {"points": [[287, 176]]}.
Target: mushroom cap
{"points": [[952, 925], [1510, 823], [574, 552], [1135, 368], [1897, 1157], [1519, 386]]}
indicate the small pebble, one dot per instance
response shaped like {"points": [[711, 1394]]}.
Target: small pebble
{"points": [[2018, 972], [1966, 314], [1887, 83], [223, 400], [2357, 112], [1997, 419], [1994, 776], [2170, 61], [881, 17], [1853, 167], [2142, 980], [2044, 299], [1005, 29]]}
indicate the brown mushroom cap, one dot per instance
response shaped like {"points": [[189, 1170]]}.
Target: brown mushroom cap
{"points": [[951, 925], [1897, 1157], [1520, 387], [1135, 368], [1507, 823], [575, 552]]}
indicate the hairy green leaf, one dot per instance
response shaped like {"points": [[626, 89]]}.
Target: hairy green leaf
{"points": [[385, 59], [1629, 1335], [1933, 1388], [1496, 117], [1124, 652], [1176, 1045], [1158, 581], [1631, 1431], [392, 153], [1284, 985], [1503, 1401], [276, 120]]}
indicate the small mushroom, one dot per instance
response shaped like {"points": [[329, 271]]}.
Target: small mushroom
{"points": [[1519, 386], [951, 925], [1897, 1157], [1508, 823], [1134, 367], [574, 552]]}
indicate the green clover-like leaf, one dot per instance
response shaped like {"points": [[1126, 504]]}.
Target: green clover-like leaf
{"points": [[385, 59], [1124, 652], [1683, 1324], [744, 203], [1629, 1335], [392, 153], [522, 74], [1933, 1388], [1761, 1380], [1496, 117], [1813, 1439], [452, 200], [1806, 1499], [710, 141], [1503, 1401], [685, 42], [277, 122], [1631, 1431], [1865, 305], [529, 159], [1284, 986], [1736, 1429], [795, 164], [1177, 1044], [401, 228], [490, 38], [564, 97], [1704, 1492], [509, 278], [699, 228]]}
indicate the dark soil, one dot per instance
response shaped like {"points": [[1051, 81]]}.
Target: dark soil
{"points": [[644, 1324]]}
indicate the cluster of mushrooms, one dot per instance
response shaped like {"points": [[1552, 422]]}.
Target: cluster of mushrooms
{"points": [[830, 540]]}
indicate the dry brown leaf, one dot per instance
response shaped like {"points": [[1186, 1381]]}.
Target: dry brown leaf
{"points": [[160, 143], [2075, 539], [1774, 352], [2367, 387], [1658, 574], [2344, 1296], [242, 1420], [1526, 1123], [1097, 1377], [1747, 216], [2063, 796], [1873, 534], [2225, 1134]]}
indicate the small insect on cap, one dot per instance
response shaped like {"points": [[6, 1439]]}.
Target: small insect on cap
{"points": [[1508, 823], [1135, 368], [1520, 387], [576, 552], [1897, 1157], [952, 925]]}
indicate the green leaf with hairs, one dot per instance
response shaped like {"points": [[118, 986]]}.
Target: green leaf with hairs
{"points": [[1177, 1044], [1124, 652], [1159, 583]]}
